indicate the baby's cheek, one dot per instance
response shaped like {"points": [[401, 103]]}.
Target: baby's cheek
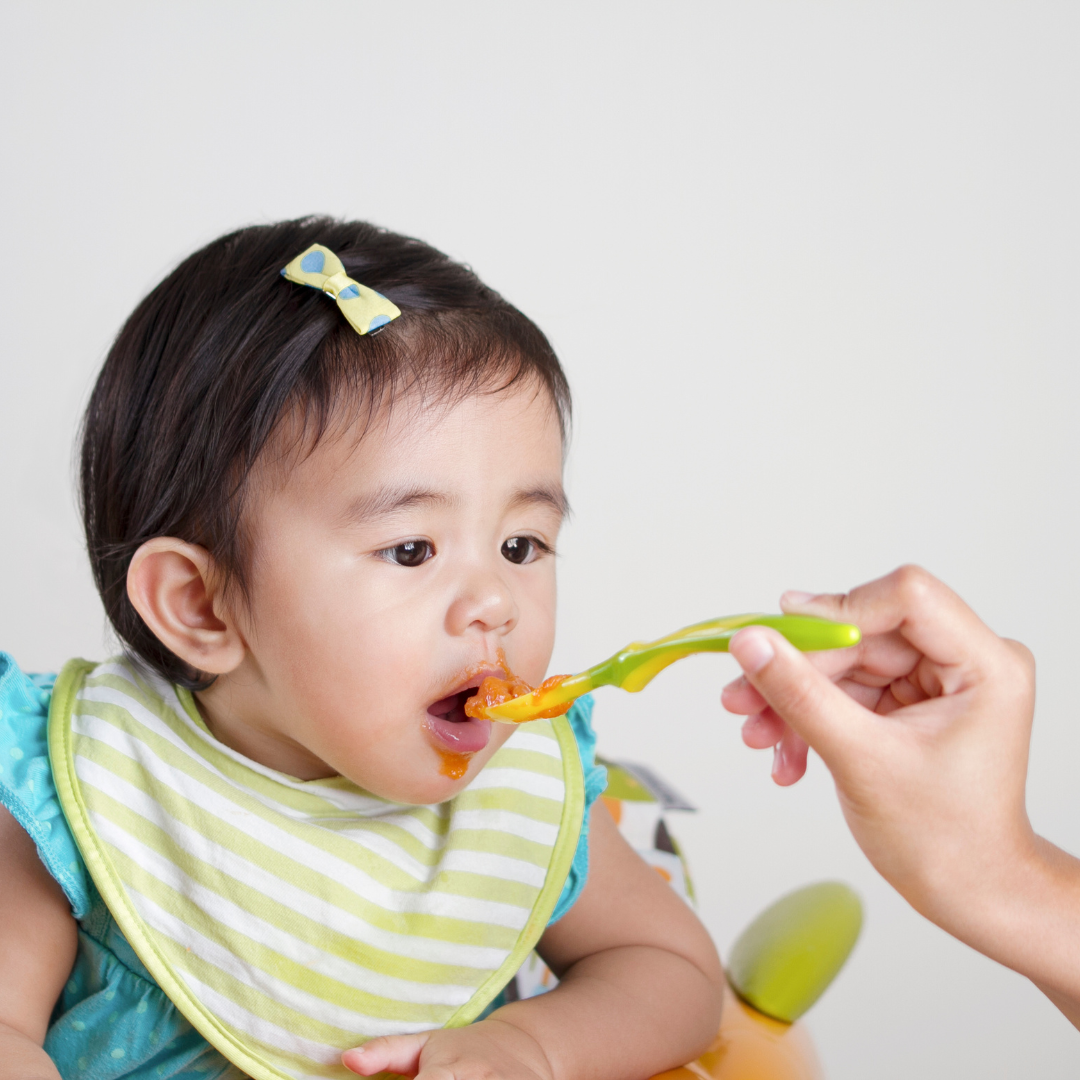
{"points": [[398, 767], [499, 735], [530, 654]]}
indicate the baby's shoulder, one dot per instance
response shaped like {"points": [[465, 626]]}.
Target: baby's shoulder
{"points": [[580, 718], [27, 789]]}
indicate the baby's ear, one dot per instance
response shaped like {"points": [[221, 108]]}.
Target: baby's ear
{"points": [[176, 589]]}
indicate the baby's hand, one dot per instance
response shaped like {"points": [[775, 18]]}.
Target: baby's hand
{"points": [[483, 1051]]}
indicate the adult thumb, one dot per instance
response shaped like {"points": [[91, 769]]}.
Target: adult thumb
{"points": [[812, 706]]}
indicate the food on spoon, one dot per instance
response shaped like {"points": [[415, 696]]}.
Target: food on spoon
{"points": [[494, 691]]}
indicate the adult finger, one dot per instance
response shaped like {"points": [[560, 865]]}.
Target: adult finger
{"points": [[740, 697], [823, 715], [925, 611], [763, 729], [789, 750], [789, 759], [862, 672]]}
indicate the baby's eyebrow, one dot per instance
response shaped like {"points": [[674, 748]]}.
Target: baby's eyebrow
{"points": [[545, 495], [390, 500], [385, 501]]}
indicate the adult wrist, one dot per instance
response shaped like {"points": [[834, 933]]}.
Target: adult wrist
{"points": [[1025, 914], [987, 899]]}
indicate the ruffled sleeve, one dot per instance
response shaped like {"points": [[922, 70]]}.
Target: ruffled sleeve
{"points": [[580, 717], [26, 781]]}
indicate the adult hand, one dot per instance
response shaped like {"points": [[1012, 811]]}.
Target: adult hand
{"points": [[925, 727]]}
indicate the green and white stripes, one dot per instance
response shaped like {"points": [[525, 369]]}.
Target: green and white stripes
{"points": [[290, 920]]}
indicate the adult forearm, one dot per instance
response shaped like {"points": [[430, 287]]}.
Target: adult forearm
{"points": [[22, 1059], [627, 1012], [1037, 927], [1021, 909]]}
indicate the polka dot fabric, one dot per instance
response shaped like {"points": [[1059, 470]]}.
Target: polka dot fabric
{"points": [[26, 785], [113, 1021], [319, 268]]}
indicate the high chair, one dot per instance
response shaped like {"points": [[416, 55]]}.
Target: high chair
{"points": [[777, 968]]}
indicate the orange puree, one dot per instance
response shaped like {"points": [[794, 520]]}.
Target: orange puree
{"points": [[454, 765], [494, 691]]}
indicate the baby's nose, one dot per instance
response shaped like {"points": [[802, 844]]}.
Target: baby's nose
{"points": [[486, 603]]}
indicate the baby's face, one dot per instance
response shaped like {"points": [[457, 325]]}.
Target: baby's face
{"points": [[389, 577]]}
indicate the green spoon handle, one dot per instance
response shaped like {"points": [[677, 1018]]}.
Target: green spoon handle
{"points": [[634, 667]]}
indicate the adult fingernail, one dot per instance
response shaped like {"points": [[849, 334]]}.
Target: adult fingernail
{"points": [[777, 759], [795, 598], [752, 650]]}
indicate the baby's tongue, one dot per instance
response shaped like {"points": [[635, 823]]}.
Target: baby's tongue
{"points": [[454, 730]]}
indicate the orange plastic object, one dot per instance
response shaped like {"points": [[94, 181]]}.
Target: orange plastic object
{"points": [[753, 1046]]}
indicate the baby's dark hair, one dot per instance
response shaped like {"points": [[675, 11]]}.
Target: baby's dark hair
{"points": [[210, 363]]}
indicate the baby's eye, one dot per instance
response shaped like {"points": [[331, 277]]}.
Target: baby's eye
{"points": [[523, 549], [410, 553]]}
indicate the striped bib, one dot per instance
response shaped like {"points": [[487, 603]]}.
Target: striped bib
{"points": [[289, 920]]}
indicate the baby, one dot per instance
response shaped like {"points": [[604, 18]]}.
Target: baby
{"points": [[322, 488]]}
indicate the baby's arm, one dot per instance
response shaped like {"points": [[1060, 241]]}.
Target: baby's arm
{"points": [[37, 952], [640, 989]]}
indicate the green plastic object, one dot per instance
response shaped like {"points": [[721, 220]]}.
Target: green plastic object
{"points": [[786, 958], [634, 667], [623, 785]]}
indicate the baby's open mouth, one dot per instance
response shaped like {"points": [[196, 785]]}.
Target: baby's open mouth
{"points": [[452, 708], [451, 728]]}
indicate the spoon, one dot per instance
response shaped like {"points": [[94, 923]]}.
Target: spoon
{"points": [[634, 667]]}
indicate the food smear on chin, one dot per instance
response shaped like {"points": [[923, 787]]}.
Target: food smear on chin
{"points": [[454, 764], [496, 691]]}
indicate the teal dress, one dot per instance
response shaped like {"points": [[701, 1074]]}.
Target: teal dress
{"points": [[112, 1020]]}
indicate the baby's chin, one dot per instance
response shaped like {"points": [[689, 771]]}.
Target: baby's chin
{"points": [[421, 775]]}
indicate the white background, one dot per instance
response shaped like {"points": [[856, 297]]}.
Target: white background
{"points": [[812, 270]]}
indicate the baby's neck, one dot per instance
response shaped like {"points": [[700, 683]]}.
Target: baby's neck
{"points": [[236, 718]]}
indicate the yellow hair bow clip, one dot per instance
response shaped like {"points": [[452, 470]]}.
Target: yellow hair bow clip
{"points": [[320, 268]]}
